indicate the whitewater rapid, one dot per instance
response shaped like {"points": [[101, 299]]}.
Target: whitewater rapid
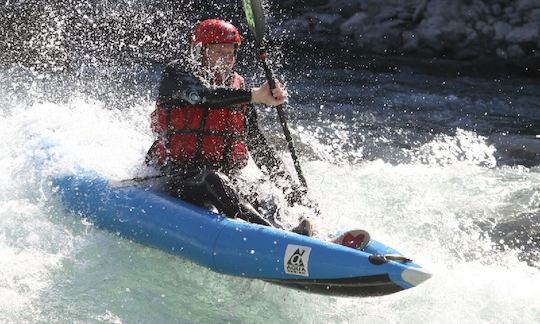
{"points": [[436, 206]]}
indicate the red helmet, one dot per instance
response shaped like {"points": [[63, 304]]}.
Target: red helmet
{"points": [[215, 31]]}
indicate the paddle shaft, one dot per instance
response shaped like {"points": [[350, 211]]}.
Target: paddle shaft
{"points": [[282, 118], [256, 20]]}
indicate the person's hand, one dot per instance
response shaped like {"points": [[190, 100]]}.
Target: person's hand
{"points": [[263, 95]]}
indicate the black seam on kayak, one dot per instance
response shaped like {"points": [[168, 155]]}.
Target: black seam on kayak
{"points": [[368, 280], [376, 285]]}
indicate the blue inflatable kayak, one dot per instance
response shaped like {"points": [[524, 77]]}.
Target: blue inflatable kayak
{"points": [[235, 247]]}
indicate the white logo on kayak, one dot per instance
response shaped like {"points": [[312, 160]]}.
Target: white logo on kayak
{"points": [[297, 260]]}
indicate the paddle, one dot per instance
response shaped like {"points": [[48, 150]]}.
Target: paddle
{"points": [[257, 25]]}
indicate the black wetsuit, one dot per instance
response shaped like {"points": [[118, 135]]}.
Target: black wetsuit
{"points": [[206, 184]]}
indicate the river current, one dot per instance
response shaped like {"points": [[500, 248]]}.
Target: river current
{"points": [[445, 168]]}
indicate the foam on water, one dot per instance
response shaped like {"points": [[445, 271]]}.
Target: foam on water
{"points": [[433, 206], [33, 243]]}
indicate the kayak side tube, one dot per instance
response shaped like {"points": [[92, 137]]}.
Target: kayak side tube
{"points": [[144, 216], [235, 247], [307, 263]]}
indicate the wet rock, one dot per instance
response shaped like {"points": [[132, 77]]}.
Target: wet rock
{"points": [[479, 25], [387, 13], [455, 31], [496, 10], [501, 30], [514, 20], [419, 11], [409, 41], [380, 39], [524, 34], [353, 24], [474, 10], [484, 29], [324, 23], [403, 15], [488, 31], [466, 54], [431, 38], [501, 53], [459, 29], [295, 28], [524, 5], [534, 17], [515, 51], [509, 11], [345, 8], [471, 39]]}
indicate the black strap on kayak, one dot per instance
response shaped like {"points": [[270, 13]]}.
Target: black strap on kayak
{"points": [[256, 20], [142, 179]]}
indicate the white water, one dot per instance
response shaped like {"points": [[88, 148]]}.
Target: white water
{"points": [[56, 268]]}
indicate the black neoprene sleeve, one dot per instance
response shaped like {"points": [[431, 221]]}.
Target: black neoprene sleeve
{"points": [[179, 87]]}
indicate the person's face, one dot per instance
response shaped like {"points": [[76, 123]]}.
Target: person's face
{"points": [[220, 57]]}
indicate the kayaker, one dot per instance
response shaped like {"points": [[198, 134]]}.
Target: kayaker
{"points": [[206, 128]]}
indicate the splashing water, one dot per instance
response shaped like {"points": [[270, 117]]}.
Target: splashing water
{"points": [[435, 196]]}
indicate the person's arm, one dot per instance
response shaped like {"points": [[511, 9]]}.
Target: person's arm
{"points": [[181, 88]]}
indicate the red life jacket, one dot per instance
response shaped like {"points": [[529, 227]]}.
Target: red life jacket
{"points": [[197, 136]]}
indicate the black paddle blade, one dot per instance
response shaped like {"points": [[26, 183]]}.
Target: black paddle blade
{"points": [[256, 20]]}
